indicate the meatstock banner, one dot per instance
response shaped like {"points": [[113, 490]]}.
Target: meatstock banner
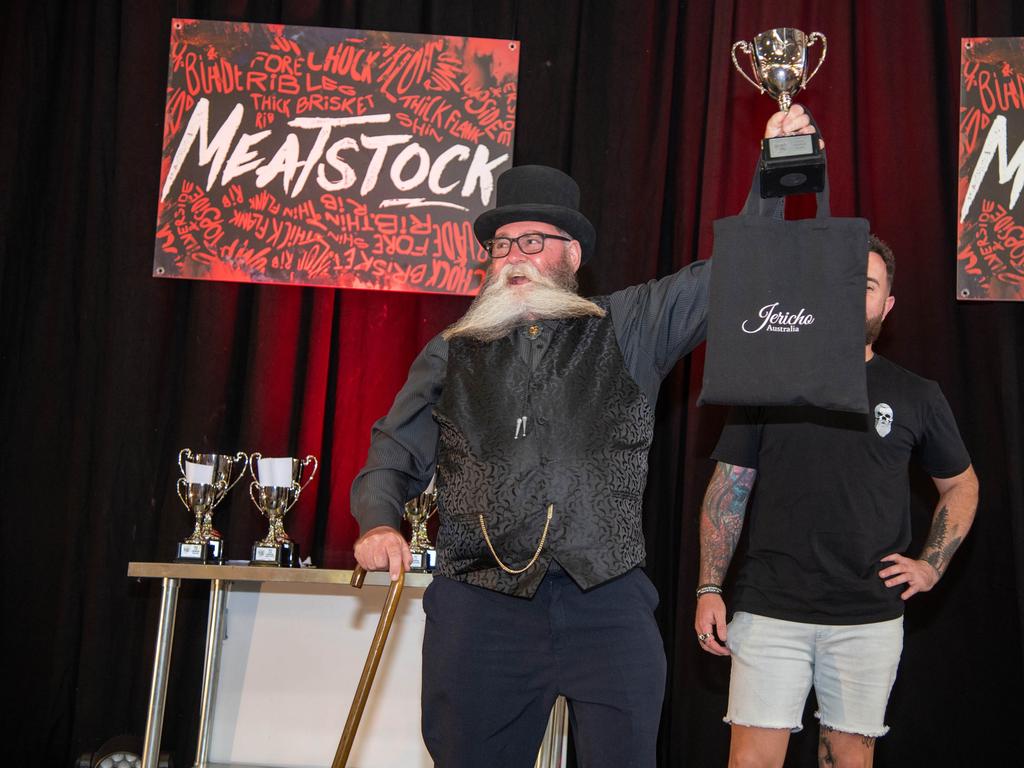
{"points": [[331, 157], [990, 251]]}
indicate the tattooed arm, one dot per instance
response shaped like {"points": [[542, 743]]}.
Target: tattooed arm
{"points": [[721, 520], [954, 513]]}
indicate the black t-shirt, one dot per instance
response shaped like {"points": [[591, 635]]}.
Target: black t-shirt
{"points": [[832, 496]]}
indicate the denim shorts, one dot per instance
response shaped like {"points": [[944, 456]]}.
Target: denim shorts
{"points": [[775, 662]]}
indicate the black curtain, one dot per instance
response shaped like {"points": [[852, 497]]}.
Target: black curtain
{"points": [[107, 372]]}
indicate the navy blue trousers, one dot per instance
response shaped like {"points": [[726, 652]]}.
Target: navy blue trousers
{"points": [[493, 665]]}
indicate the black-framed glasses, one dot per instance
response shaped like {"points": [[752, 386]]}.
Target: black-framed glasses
{"points": [[529, 243]]}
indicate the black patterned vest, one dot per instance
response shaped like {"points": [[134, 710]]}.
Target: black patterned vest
{"points": [[588, 431]]}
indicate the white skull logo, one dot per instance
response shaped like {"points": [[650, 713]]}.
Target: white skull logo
{"points": [[883, 419]]}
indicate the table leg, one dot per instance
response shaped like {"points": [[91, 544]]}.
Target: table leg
{"points": [[552, 747], [161, 663], [212, 658]]}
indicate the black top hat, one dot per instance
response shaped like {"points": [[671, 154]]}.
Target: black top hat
{"points": [[538, 193]]}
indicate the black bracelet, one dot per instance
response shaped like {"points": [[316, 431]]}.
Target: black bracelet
{"points": [[709, 589]]}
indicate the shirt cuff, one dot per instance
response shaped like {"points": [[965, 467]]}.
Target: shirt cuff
{"points": [[371, 518]]}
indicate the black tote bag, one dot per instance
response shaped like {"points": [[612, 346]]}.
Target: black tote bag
{"points": [[787, 309]]}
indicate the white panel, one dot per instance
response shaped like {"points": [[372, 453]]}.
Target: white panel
{"points": [[289, 668]]}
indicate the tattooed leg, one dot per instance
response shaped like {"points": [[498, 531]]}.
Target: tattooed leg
{"points": [[837, 749]]}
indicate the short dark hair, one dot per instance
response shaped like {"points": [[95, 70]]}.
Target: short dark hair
{"points": [[879, 246]]}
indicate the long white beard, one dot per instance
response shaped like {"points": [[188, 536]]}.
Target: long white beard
{"points": [[500, 307]]}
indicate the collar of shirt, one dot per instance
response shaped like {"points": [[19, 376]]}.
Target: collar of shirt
{"points": [[533, 339]]}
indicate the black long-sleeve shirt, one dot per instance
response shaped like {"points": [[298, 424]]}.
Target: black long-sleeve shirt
{"points": [[655, 323]]}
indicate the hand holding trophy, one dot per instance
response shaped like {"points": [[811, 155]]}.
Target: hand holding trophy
{"points": [[778, 59]]}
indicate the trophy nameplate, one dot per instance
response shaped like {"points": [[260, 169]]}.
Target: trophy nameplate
{"points": [[200, 553], [424, 562], [280, 554]]}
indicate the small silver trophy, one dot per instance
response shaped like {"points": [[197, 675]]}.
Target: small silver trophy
{"points": [[221, 472], [778, 60], [198, 499], [275, 489], [418, 511]]}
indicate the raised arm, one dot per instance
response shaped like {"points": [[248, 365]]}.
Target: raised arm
{"points": [[954, 513], [721, 521]]}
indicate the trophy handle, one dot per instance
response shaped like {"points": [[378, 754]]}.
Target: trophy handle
{"points": [[253, 459], [298, 490], [744, 46], [253, 485], [178, 489], [183, 455], [242, 457], [821, 59], [305, 463]]}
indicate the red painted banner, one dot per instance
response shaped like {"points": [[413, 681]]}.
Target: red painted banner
{"points": [[331, 157], [990, 248]]}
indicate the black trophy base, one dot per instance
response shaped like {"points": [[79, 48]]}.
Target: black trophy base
{"points": [[195, 553], [791, 165], [424, 562], [282, 555], [217, 551]]}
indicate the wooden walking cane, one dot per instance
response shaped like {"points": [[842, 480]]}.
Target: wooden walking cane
{"points": [[387, 616]]}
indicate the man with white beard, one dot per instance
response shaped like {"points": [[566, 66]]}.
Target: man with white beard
{"points": [[818, 598], [536, 411]]}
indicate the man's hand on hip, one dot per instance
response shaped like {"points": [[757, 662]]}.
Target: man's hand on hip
{"points": [[383, 549], [918, 575]]}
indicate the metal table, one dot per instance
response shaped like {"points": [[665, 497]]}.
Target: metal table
{"points": [[171, 575]]}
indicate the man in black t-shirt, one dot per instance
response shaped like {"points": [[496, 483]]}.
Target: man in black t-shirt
{"points": [[819, 594]]}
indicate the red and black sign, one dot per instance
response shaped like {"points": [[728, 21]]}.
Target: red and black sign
{"points": [[331, 157], [990, 249]]}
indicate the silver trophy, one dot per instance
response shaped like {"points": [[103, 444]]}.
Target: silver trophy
{"points": [[198, 499], [418, 511], [222, 472], [778, 59], [275, 489]]}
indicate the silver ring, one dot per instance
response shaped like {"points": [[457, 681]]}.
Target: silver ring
{"points": [[703, 636]]}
